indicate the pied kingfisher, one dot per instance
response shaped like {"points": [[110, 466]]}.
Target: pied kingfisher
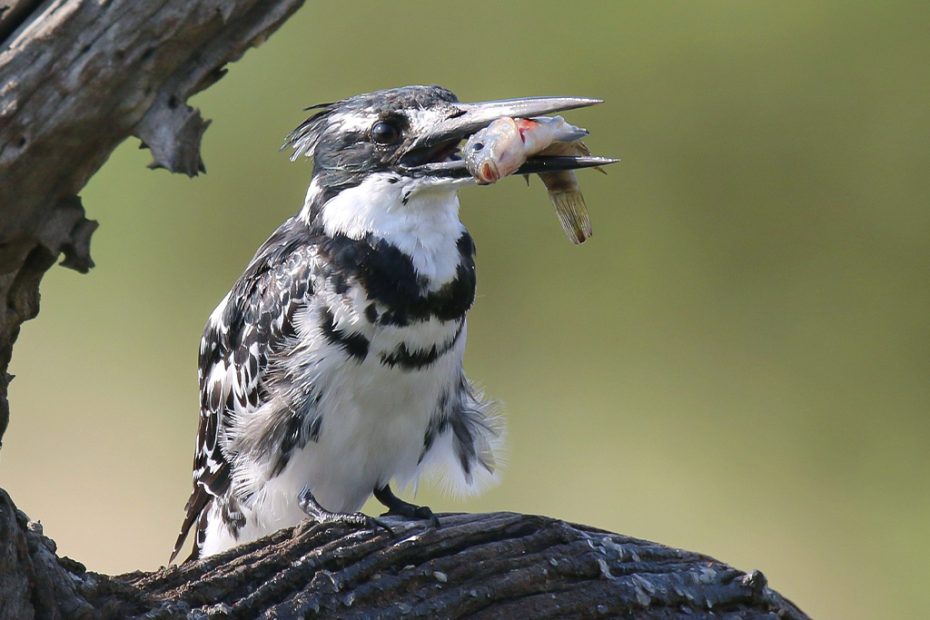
{"points": [[334, 365]]}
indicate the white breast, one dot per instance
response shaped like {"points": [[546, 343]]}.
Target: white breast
{"points": [[374, 419]]}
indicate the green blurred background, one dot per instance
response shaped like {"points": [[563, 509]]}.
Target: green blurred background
{"points": [[737, 363]]}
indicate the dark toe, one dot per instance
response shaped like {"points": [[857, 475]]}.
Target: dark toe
{"points": [[373, 524], [424, 513]]}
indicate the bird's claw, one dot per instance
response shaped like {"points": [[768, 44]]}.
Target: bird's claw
{"points": [[420, 513], [372, 523], [399, 508], [319, 514]]}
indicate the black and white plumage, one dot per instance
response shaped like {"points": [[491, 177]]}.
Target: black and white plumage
{"points": [[334, 365]]}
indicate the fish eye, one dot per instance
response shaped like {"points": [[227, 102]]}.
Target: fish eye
{"points": [[384, 132], [477, 146]]}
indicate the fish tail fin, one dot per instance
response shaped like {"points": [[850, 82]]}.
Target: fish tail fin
{"points": [[573, 214]]}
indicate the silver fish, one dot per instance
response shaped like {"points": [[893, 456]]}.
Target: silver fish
{"points": [[502, 147]]}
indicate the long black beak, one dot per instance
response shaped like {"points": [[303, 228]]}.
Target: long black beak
{"points": [[534, 165], [464, 119]]}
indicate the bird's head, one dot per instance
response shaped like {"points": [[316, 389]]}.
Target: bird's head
{"points": [[411, 133]]}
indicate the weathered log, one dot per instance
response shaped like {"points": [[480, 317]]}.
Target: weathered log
{"points": [[497, 565]]}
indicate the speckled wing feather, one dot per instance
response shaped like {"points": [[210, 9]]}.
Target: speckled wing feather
{"points": [[253, 323]]}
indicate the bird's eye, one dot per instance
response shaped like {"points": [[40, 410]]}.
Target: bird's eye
{"points": [[384, 132]]}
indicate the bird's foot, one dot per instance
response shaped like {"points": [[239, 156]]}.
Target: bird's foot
{"points": [[398, 507], [312, 509]]}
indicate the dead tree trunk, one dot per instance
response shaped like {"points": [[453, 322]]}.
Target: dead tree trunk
{"points": [[76, 79]]}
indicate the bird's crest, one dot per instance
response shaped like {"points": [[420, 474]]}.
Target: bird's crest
{"points": [[305, 138]]}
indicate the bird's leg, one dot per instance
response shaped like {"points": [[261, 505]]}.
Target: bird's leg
{"points": [[312, 508], [397, 506]]}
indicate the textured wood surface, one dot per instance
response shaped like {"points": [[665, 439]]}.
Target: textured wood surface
{"points": [[76, 79], [497, 565]]}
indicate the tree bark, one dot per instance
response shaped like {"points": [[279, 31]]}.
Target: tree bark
{"points": [[497, 565], [76, 79]]}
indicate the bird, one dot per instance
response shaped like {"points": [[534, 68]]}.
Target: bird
{"points": [[333, 368]]}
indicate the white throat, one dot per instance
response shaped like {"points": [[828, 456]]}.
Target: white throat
{"points": [[421, 221]]}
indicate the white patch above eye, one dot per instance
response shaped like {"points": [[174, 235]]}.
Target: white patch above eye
{"points": [[353, 121], [418, 120], [426, 227]]}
